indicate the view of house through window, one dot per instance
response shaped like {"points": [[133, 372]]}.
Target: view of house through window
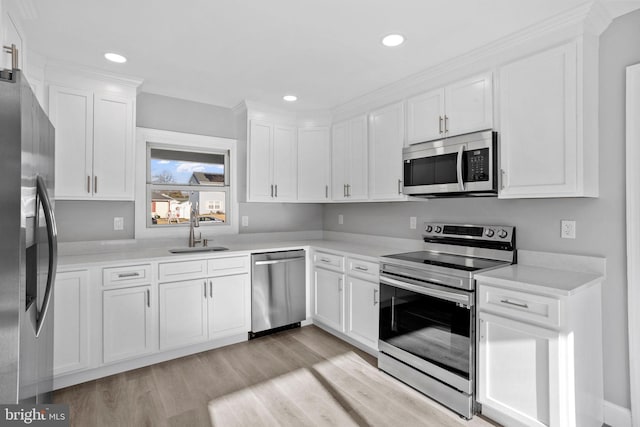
{"points": [[181, 183]]}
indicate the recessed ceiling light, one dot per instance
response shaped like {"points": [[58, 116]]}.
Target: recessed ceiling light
{"points": [[290, 98], [114, 57], [393, 40]]}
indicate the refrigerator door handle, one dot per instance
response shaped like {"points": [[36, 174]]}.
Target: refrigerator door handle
{"points": [[52, 237]]}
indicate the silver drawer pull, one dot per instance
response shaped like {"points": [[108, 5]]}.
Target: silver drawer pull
{"points": [[325, 260], [357, 267], [125, 275], [517, 304]]}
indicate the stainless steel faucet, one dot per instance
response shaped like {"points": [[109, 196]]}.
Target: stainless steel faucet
{"points": [[193, 223]]}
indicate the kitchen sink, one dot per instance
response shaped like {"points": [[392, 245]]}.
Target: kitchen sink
{"points": [[198, 249]]}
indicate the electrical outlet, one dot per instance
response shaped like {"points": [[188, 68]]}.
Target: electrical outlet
{"points": [[118, 223], [568, 229], [340, 219], [413, 222], [245, 221]]}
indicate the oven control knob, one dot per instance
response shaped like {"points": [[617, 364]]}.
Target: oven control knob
{"points": [[429, 229], [438, 229], [490, 232], [502, 234]]}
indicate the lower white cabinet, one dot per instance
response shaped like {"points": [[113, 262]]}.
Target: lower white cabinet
{"points": [[518, 372], [129, 323], [328, 294], [194, 311], [71, 322], [363, 310]]}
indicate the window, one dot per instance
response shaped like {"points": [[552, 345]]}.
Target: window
{"points": [[182, 182]]}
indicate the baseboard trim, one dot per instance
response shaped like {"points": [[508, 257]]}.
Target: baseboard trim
{"points": [[616, 416]]}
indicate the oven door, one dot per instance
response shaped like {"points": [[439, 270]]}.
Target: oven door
{"points": [[429, 327], [463, 164]]}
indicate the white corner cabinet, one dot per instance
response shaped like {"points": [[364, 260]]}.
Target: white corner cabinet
{"points": [[540, 351], [95, 126], [462, 107], [386, 139], [314, 164], [549, 123], [349, 160], [346, 297]]}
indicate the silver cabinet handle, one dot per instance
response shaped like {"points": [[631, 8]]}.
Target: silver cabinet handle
{"points": [[88, 184], [358, 267], [399, 186], [125, 275], [326, 191], [348, 190], [339, 285], [205, 288], [446, 124], [344, 190], [325, 260], [375, 294], [95, 184], [440, 124], [276, 190], [503, 177], [459, 168], [271, 190], [148, 298], [211, 288], [517, 304]]}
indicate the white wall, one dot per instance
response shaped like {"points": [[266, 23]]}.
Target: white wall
{"points": [[600, 222]]}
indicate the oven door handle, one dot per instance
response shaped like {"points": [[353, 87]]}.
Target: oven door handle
{"points": [[459, 168], [436, 293]]}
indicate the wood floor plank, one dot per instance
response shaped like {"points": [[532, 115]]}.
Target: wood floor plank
{"points": [[82, 400]]}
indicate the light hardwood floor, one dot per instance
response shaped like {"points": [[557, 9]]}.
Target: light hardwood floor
{"points": [[301, 377]]}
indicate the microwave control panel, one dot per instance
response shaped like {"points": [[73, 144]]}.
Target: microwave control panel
{"points": [[477, 165]]}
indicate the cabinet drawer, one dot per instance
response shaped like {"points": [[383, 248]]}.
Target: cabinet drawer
{"points": [[360, 267], [329, 260], [131, 274], [182, 270], [228, 265], [520, 305]]}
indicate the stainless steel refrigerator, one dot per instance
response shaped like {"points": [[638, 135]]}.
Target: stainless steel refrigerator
{"points": [[28, 244]]}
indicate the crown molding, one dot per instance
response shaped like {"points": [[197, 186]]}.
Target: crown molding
{"points": [[54, 66]]}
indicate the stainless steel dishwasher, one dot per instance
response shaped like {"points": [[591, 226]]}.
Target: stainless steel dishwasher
{"points": [[278, 296]]}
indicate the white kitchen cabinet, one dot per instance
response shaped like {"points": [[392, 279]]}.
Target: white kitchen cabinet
{"points": [[519, 364], [195, 311], [94, 144], [548, 148], [328, 294], [314, 164], [363, 311], [71, 323], [386, 139], [129, 325], [462, 107], [349, 160], [272, 163]]}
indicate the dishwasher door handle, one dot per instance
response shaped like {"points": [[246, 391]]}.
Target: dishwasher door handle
{"points": [[278, 261]]}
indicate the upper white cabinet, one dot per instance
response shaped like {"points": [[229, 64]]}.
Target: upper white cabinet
{"points": [[349, 159], [548, 145], [272, 162], [386, 139], [94, 143], [462, 107], [314, 164]]}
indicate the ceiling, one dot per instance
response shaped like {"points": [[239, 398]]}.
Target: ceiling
{"points": [[326, 52]]}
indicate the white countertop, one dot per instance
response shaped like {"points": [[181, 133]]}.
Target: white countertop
{"points": [[540, 280]]}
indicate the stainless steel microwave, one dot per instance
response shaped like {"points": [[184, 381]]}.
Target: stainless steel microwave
{"points": [[464, 165]]}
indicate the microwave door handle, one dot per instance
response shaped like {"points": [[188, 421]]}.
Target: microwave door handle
{"points": [[459, 168]]}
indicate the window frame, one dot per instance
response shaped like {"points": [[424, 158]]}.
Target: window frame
{"points": [[147, 139]]}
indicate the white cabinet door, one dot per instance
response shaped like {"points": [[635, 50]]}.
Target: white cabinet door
{"points": [[71, 113], [314, 164], [469, 105], [113, 147], [285, 162], [329, 298], [363, 311], [229, 305], [385, 157], [518, 370], [183, 313], [260, 183], [538, 125], [71, 322], [357, 160], [128, 323], [425, 117], [339, 152]]}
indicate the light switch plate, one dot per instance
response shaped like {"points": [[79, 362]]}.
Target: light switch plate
{"points": [[567, 229], [413, 222], [340, 219], [245, 221], [118, 223]]}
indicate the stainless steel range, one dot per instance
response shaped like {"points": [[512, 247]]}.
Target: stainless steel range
{"points": [[427, 309]]}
